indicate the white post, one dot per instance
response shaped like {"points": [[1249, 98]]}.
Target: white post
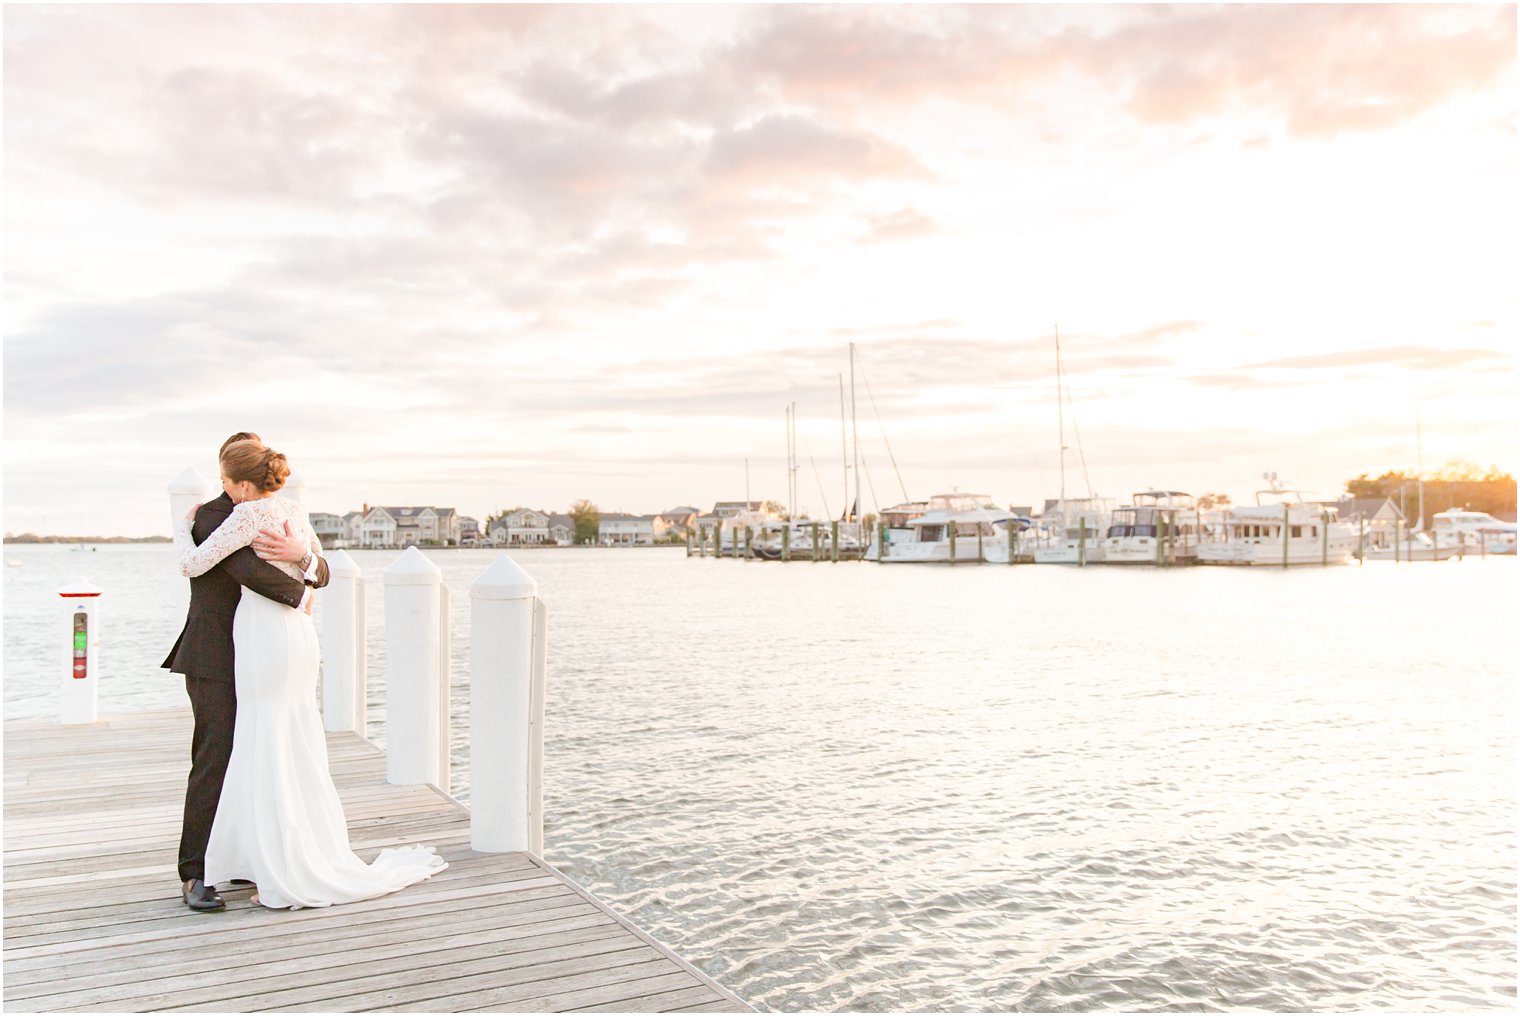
{"points": [[185, 490], [80, 672], [295, 488], [445, 692], [502, 762], [411, 668], [345, 672]]}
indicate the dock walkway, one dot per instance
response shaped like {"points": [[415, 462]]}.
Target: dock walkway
{"points": [[93, 919]]}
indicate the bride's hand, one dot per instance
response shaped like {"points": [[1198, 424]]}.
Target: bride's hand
{"points": [[310, 602], [191, 516], [274, 545]]}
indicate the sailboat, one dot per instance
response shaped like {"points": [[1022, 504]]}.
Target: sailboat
{"points": [[1417, 544], [1074, 527]]}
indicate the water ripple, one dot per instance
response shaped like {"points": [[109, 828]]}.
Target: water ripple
{"points": [[1008, 789]]}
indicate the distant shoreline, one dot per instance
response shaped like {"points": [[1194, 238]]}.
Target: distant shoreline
{"points": [[34, 538]]}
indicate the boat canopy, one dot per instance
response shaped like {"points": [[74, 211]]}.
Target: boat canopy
{"points": [[940, 518]]}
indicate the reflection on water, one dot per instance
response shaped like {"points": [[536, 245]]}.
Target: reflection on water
{"points": [[847, 786]]}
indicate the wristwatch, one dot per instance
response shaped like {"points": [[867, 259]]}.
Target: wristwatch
{"points": [[305, 562]]}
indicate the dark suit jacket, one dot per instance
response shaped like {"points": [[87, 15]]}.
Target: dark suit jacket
{"points": [[204, 648]]}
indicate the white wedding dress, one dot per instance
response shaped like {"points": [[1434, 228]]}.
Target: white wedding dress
{"points": [[279, 823]]}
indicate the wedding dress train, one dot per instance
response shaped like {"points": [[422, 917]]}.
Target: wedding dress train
{"points": [[280, 823]]}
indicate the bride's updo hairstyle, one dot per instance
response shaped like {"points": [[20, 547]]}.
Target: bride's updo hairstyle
{"points": [[263, 467]]}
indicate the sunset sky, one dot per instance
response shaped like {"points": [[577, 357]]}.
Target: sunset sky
{"points": [[498, 255]]}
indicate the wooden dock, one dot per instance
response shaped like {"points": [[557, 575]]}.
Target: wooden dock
{"points": [[94, 921]]}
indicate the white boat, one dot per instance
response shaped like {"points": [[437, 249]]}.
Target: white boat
{"points": [[1074, 531], [769, 543], [1281, 528], [1156, 527], [1414, 547], [1014, 532], [1469, 532], [972, 518], [896, 520]]}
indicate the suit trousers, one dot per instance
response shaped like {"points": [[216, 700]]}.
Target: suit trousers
{"points": [[214, 704]]}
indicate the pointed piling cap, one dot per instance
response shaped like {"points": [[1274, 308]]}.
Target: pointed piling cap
{"points": [[188, 482], [413, 568], [80, 587], [340, 565], [503, 580]]}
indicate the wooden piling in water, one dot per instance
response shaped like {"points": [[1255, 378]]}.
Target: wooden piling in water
{"points": [[1285, 536], [834, 541]]}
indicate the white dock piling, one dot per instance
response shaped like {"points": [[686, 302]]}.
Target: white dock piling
{"points": [[345, 668], [412, 673], [506, 710]]}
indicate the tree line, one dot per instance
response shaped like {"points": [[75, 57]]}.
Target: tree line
{"points": [[1455, 485]]}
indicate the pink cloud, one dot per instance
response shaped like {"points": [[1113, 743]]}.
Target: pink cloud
{"points": [[1408, 357], [903, 224], [785, 150]]}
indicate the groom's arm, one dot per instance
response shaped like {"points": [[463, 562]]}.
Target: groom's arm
{"points": [[244, 566]]}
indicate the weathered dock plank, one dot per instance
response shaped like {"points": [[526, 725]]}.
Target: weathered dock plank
{"points": [[93, 920]]}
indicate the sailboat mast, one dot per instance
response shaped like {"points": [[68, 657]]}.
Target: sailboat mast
{"points": [[791, 460], [855, 430], [844, 446], [1419, 464], [1061, 419]]}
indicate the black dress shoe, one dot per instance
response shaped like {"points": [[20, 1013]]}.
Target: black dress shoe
{"points": [[234, 884], [200, 896]]}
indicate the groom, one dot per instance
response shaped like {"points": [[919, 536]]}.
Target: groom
{"points": [[203, 654]]}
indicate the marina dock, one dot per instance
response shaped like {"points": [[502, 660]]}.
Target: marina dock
{"points": [[94, 921]]}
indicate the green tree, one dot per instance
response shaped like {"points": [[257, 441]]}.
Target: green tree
{"points": [[1457, 484], [587, 519]]}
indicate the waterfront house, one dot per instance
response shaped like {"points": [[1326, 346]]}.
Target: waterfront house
{"points": [[520, 527], [1380, 514], [732, 513], [616, 529], [561, 529], [408, 526], [469, 531], [353, 527], [681, 519], [377, 528], [447, 530], [327, 528]]}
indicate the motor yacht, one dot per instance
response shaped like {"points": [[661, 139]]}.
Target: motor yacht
{"points": [[1470, 532], [1156, 527], [1281, 528], [1074, 531], [971, 517]]}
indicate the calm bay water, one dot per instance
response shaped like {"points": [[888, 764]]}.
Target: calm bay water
{"points": [[864, 787]]}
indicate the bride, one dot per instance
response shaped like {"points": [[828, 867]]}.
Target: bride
{"points": [[279, 823]]}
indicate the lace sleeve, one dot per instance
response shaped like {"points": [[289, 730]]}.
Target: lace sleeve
{"points": [[238, 531]]}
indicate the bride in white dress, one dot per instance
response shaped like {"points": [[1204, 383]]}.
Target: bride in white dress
{"points": [[280, 823]]}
